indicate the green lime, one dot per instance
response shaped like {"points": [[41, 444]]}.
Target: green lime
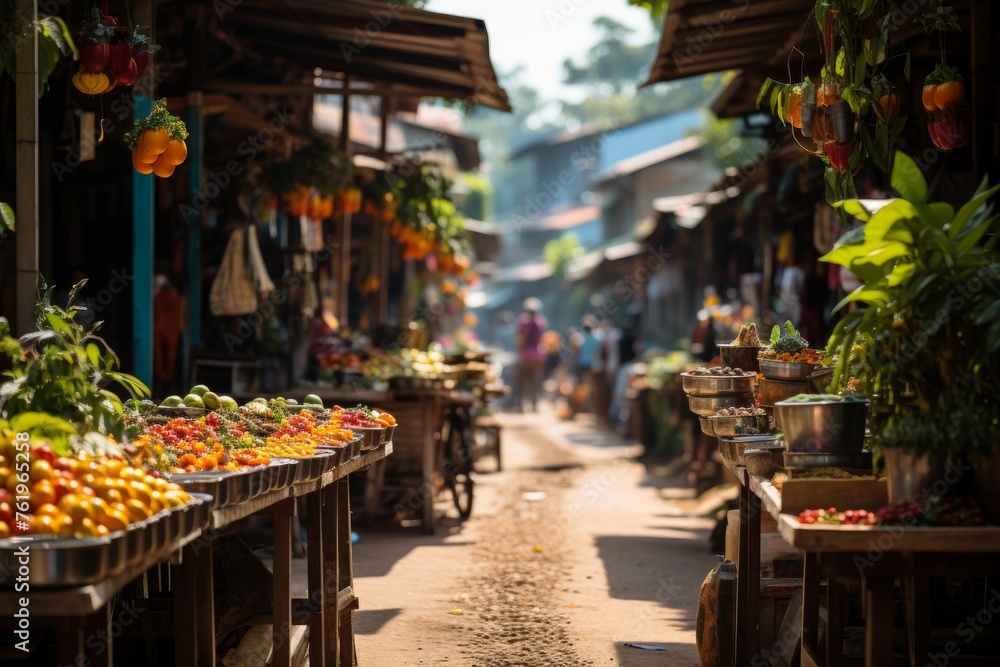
{"points": [[312, 399], [199, 390], [172, 402], [259, 400], [229, 403], [211, 400], [193, 401]]}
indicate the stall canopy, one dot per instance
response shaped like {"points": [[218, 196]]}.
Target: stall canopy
{"points": [[704, 36], [391, 49]]}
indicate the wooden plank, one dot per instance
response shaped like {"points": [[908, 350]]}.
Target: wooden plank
{"points": [[282, 601], [331, 575], [346, 574], [836, 596], [753, 575], [204, 609], [314, 572], [810, 602], [742, 579], [802, 494], [917, 608], [768, 493], [879, 621], [859, 539]]}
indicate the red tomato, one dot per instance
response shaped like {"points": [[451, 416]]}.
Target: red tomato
{"points": [[43, 451]]}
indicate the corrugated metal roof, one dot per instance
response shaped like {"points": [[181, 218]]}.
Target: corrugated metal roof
{"points": [[650, 158]]}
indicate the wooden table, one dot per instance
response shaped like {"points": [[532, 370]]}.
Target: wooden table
{"points": [[82, 613], [876, 556]]}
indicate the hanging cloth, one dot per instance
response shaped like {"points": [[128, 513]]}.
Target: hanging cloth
{"points": [[258, 270], [233, 290]]}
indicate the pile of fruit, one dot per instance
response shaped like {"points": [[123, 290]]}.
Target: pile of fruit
{"points": [[231, 437], [78, 496], [832, 517], [934, 511]]}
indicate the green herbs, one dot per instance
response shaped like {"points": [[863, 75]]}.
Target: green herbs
{"points": [[59, 375], [787, 339]]}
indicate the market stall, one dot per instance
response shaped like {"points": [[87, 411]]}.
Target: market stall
{"points": [[112, 506]]}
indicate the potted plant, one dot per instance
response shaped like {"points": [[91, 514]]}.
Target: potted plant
{"points": [[924, 337]]}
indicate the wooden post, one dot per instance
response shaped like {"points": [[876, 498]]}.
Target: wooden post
{"points": [[26, 201], [142, 226], [345, 231], [385, 240]]}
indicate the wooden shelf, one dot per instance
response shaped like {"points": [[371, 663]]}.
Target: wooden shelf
{"points": [[859, 539]]}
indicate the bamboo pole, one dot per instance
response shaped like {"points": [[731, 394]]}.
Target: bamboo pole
{"points": [[345, 237], [26, 201]]}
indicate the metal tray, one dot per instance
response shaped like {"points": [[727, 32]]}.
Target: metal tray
{"points": [[389, 432], [341, 454], [734, 449], [371, 438], [57, 561], [726, 426], [717, 385], [707, 406], [313, 467], [221, 486], [775, 391], [797, 371], [279, 474], [848, 460], [764, 462]]}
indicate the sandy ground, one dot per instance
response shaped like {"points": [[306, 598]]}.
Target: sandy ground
{"points": [[573, 551]]}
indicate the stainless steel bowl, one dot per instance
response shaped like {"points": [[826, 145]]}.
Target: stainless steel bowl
{"points": [[735, 449], [774, 369], [822, 427], [775, 391], [706, 406], [717, 385], [725, 426], [118, 555], [371, 438], [56, 561], [740, 356], [389, 432], [706, 426]]}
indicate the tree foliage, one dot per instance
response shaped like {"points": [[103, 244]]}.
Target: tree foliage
{"points": [[559, 252]]}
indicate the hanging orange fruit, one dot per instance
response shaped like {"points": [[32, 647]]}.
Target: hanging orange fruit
{"points": [[139, 164], [176, 152], [162, 168], [139, 155], [154, 141]]}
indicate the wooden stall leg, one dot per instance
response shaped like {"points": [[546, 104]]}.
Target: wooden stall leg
{"points": [[185, 600], [879, 621], [836, 596], [282, 591], [69, 642], [346, 601], [317, 592], [331, 575], [374, 480], [430, 464], [753, 576], [810, 606], [100, 653], [917, 606], [743, 579], [204, 582]]}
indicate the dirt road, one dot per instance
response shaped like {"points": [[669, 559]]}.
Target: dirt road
{"points": [[573, 551]]}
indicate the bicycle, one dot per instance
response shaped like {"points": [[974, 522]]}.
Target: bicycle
{"points": [[457, 457]]}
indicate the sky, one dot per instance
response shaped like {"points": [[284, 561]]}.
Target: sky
{"points": [[540, 34]]}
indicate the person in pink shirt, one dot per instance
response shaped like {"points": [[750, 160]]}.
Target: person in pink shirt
{"points": [[530, 327]]}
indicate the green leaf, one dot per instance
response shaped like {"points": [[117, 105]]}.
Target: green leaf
{"points": [[94, 354], [775, 334], [907, 179], [865, 294], [901, 273], [57, 323], [969, 240], [854, 208], [906, 66], [973, 206], [6, 217]]}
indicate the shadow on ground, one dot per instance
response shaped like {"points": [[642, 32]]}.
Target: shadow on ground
{"points": [[675, 655], [370, 621], [377, 552]]}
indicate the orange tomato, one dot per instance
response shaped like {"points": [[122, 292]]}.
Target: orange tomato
{"points": [[887, 107], [155, 141], [4, 530], [927, 97], [85, 528], [42, 524], [48, 509], [949, 92], [115, 520], [137, 510], [77, 507], [41, 469], [141, 159], [162, 168], [176, 153], [42, 492], [827, 94], [795, 109]]}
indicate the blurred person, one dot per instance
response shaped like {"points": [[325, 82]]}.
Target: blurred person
{"points": [[703, 341], [629, 349], [591, 337], [530, 327]]}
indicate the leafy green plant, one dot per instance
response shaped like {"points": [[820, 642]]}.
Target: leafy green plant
{"points": [[54, 42], [787, 339], [57, 386], [924, 337], [6, 218]]}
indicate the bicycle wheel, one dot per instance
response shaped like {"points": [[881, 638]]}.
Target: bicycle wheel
{"points": [[457, 470]]}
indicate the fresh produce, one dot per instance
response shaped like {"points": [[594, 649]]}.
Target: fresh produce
{"points": [[80, 496], [826, 398], [786, 339], [160, 136], [832, 517], [717, 371], [362, 417], [747, 336], [934, 511]]}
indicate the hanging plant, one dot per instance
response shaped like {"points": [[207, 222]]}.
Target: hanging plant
{"points": [[142, 49], [53, 37], [943, 94], [157, 142]]}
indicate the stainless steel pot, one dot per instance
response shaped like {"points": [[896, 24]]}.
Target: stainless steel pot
{"points": [[822, 427]]}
